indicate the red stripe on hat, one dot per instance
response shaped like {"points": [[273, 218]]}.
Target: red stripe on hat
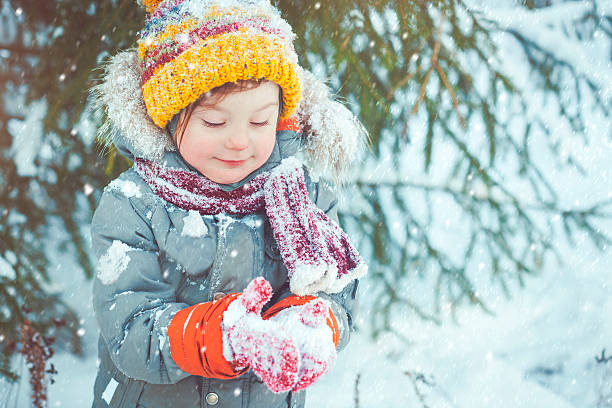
{"points": [[291, 123]]}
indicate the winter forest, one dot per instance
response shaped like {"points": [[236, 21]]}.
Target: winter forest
{"points": [[483, 204]]}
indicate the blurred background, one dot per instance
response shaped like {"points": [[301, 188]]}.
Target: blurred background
{"points": [[483, 207]]}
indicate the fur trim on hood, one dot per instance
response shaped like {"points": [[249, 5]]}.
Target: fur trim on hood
{"points": [[333, 136]]}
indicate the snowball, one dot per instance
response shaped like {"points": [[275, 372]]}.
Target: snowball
{"points": [[316, 341], [114, 262], [127, 188], [193, 225]]}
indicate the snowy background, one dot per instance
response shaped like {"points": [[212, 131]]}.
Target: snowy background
{"points": [[537, 349]]}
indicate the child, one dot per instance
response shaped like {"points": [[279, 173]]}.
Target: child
{"points": [[223, 278]]}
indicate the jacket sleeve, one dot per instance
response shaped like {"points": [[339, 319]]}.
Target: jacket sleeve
{"points": [[134, 301]]}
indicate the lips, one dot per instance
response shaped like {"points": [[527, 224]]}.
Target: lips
{"points": [[232, 163]]}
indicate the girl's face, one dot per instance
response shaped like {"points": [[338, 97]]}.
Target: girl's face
{"points": [[231, 139]]}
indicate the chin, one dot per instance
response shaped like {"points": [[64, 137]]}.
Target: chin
{"points": [[227, 178]]}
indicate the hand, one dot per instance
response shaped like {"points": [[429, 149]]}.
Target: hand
{"points": [[265, 346], [308, 326]]}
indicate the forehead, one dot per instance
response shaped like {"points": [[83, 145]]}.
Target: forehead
{"points": [[252, 100]]}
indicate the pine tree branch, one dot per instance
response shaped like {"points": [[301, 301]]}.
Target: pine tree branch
{"points": [[21, 49], [434, 59], [452, 93]]}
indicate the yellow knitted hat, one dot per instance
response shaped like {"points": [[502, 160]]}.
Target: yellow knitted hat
{"points": [[189, 47]]}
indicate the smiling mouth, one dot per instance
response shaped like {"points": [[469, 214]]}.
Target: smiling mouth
{"points": [[232, 162]]}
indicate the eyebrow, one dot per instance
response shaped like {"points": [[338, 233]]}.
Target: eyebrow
{"points": [[214, 107]]}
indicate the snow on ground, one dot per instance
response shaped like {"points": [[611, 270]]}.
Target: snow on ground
{"points": [[538, 351]]}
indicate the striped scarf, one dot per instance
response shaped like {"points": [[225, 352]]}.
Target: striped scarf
{"points": [[317, 253]]}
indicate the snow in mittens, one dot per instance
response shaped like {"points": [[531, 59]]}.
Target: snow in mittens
{"points": [[264, 345], [307, 325]]}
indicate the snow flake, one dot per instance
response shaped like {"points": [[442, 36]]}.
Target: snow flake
{"points": [[114, 262], [193, 225]]}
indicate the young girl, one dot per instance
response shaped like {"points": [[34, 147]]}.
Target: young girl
{"points": [[223, 278]]}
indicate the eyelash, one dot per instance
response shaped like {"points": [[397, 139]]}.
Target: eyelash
{"points": [[214, 125]]}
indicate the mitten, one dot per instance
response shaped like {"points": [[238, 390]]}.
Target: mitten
{"points": [[265, 346], [222, 339], [312, 325]]}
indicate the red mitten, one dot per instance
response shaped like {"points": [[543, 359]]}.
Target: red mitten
{"points": [[265, 346], [222, 339], [313, 327]]}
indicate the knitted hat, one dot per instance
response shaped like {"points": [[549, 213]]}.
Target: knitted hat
{"points": [[189, 47]]}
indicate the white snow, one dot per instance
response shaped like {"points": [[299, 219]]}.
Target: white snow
{"points": [[317, 340], [262, 8], [107, 395], [543, 25], [254, 221], [193, 225], [126, 187], [6, 270], [27, 137], [112, 264], [10, 257]]}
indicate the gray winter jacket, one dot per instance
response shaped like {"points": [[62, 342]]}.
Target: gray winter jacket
{"points": [[162, 268]]}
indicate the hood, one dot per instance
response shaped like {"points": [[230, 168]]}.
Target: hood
{"points": [[332, 137]]}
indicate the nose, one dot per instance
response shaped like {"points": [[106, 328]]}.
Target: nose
{"points": [[237, 140]]}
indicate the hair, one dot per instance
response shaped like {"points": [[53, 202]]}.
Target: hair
{"points": [[213, 97]]}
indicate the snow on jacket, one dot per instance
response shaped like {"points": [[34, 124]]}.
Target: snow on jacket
{"points": [[155, 259]]}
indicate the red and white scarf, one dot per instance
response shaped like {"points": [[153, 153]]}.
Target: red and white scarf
{"points": [[316, 251]]}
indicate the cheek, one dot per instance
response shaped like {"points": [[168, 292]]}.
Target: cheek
{"points": [[266, 144], [194, 146], [199, 135]]}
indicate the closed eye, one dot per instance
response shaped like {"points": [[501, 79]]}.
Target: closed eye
{"points": [[210, 124]]}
